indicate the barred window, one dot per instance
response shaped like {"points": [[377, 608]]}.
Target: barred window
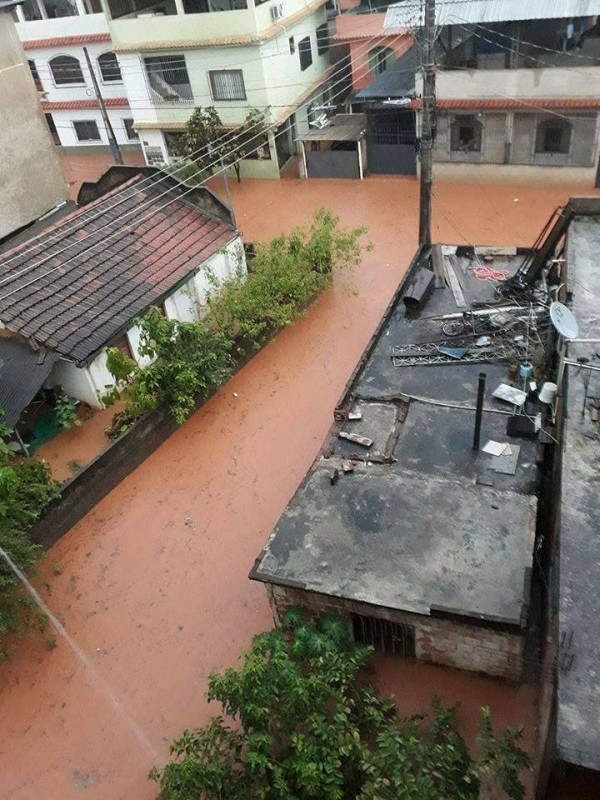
{"points": [[227, 84]]}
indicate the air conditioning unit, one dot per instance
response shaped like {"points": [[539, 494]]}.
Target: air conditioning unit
{"points": [[277, 12]]}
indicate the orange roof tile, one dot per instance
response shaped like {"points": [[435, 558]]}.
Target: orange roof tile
{"points": [[64, 41]]}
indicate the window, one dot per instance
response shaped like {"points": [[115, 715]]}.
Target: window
{"points": [[60, 8], [168, 78], [87, 131], [380, 59], [292, 44], [466, 134], [52, 128], [305, 52], [204, 6], [35, 74], [31, 10], [227, 84], [129, 129], [391, 638], [109, 68], [322, 39], [553, 136], [92, 6], [66, 70]]}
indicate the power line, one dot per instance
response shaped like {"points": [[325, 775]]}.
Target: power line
{"points": [[190, 158], [121, 230]]}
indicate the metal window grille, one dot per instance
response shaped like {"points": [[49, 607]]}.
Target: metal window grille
{"points": [[66, 70], [109, 68], [87, 131], [154, 156], [322, 39], [390, 638], [553, 136], [227, 84], [305, 53], [168, 77]]}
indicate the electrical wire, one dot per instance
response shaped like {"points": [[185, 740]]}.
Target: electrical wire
{"points": [[102, 242], [189, 159]]}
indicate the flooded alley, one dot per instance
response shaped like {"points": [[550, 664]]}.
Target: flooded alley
{"points": [[152, 584]]}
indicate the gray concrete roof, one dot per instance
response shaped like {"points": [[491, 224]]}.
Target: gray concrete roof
{"points": [[423, 523], [578, 732]]}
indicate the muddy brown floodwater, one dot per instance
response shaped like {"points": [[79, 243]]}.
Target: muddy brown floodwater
{"points": [[153, 585]]}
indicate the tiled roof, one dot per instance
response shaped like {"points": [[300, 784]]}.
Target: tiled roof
{"points": [[524, 104], [77, 301], [65, 41], [78, 105], [22, 373]]}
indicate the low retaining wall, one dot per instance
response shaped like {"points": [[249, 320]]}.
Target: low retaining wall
{"points": [[81, 493]]}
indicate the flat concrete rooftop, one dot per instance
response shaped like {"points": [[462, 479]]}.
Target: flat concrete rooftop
{"points": [[578, 733], [423, 523]]}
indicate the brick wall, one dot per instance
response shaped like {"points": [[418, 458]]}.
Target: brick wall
{"points": [[476, 648]]}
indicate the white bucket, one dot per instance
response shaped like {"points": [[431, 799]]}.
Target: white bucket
{"points": [[547, 393]]}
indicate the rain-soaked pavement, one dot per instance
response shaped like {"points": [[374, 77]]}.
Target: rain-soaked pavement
{"points": [[152, 584]]}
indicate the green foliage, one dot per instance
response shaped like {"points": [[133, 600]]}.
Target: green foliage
{"points": [[287, 273], [66, 412], [207, 141], [190, 362], [25, 489], [501, 758], [192, 359], [303, 725]]}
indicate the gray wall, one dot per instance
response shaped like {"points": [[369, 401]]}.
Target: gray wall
{"points": [[495, 147], [31, 180]]}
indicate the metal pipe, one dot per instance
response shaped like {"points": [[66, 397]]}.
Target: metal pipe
{"points": [[479, 411]]}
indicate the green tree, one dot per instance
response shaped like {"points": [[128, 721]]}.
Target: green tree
{"points": [[304, 725], [26, 488], [206, 142]]}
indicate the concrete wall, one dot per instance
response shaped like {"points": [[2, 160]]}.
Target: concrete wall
{"points": [[31, 181], [509, 141], [359, 57], [476, 648], [64, 120], [130, 33], [524, 83], [186, 304]]}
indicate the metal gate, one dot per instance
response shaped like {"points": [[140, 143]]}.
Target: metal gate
{"points": [[391, 142]]}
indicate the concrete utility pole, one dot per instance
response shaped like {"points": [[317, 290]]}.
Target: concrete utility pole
{"points": [[427, 124], [114, 147]]}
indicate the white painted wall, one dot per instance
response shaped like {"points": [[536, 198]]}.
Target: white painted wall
{"points": [[186, 304], [85, 91], [129, 33], [31, 180], [66, 131], [62, 26]]}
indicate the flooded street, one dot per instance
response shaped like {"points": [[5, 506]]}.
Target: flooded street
{"points": [[152, 584]]}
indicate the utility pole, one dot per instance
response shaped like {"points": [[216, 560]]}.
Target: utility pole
{"points": [[427, 124], [114, 147]]}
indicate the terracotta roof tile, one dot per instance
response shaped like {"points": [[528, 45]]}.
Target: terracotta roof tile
{"points": [[522, 103], [75, 105], [76, 302], [64, 41]]}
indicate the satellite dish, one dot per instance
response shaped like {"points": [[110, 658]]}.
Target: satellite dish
{"points": [[564, 321]]}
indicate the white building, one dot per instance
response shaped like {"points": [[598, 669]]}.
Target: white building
{"points": [[91, 287], [54, 48], [176, 55], [31, 181]]}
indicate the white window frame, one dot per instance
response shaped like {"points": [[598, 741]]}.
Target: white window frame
{"points": [[239, 72], [75, 122], [65, 85], [102, 79], [129, 138]]}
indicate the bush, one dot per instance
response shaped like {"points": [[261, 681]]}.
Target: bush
{"points": [[26, 488], [303, 724], [192, 359]]}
